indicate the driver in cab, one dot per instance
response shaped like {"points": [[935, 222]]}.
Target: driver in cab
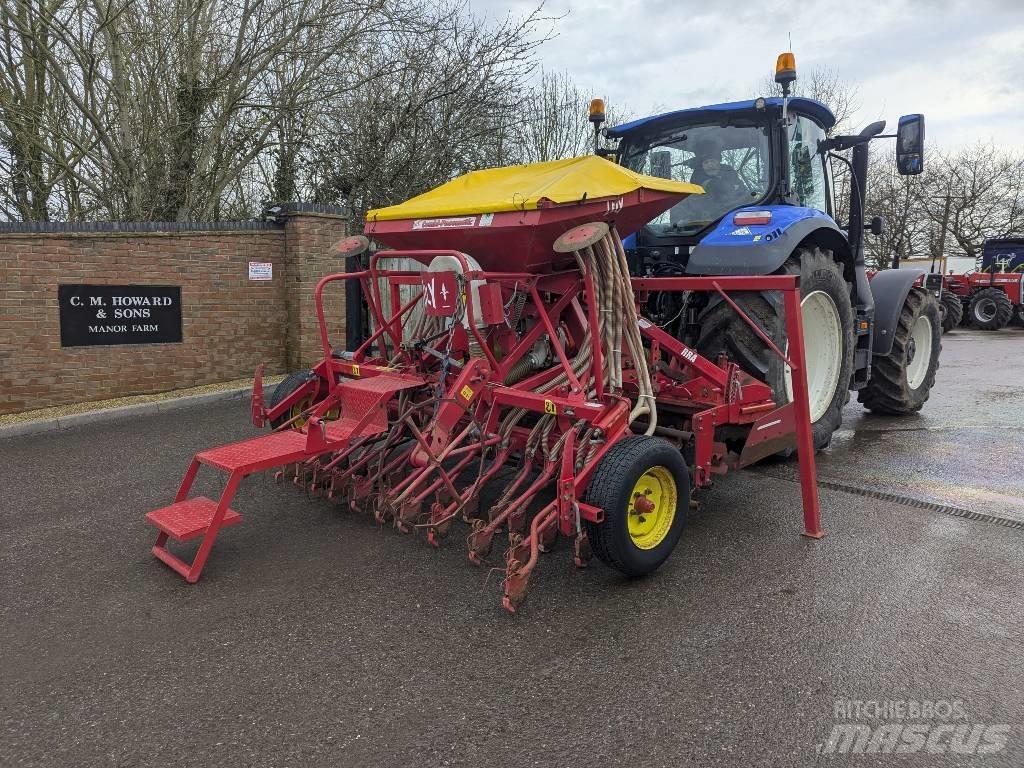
{"points": [[722, 185]]}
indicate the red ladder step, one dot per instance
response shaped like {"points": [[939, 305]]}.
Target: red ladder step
{"points": [[258, 453], [187, 519], [363, 414]]}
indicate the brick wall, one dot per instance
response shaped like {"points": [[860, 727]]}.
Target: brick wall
{"points": [[310, 238], [229, 323]]}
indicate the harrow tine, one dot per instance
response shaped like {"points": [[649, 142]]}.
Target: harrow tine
{"points": [[521, 557]]}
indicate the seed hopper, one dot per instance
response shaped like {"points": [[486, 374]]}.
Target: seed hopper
{"points": [[507, 354]]}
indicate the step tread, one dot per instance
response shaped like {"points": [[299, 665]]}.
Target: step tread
{"points": [[361, 396], [184, 520], [258, 452]]}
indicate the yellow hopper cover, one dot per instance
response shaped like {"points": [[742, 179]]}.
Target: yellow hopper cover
{"points": [[520, 187]]}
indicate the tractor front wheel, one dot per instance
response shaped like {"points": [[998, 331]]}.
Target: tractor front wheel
{"points": [[990, 309], [952, 311], [643, 486], [902, 380]]}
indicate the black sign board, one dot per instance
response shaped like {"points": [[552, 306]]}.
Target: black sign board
{"points": [[93, 315]]}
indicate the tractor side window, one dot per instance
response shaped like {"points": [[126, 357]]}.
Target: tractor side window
{"points": [[806, 163]]}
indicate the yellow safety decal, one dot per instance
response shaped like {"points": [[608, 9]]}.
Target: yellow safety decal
{"points": [[355, 370], [466, 392], [550, 407]]}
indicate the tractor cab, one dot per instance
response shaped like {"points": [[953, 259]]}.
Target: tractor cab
{"points": [[742, 157]]}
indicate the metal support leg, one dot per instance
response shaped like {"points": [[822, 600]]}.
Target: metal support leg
{"points": [[211, 533], [804, 435]]}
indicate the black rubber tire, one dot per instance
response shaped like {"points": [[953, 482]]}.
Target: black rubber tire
{"points": [[1018, 316], [965, 319], [997, 300], [952, 311], [285, 387], [721, 330], [887, 391], [610, 489]]}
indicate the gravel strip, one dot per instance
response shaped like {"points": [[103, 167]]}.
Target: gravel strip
{"points": [[60, 413]]}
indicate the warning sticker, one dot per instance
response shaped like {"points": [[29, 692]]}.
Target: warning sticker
{"points": [[355, 371], [550, 407], [466, 392], [261, 270]]}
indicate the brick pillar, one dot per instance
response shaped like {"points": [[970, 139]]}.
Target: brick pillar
{"points": [[310, 231]]}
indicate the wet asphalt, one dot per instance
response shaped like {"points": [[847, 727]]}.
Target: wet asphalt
{"points": [[315, 638]]}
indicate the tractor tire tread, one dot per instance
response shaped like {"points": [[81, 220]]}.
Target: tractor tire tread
{"points": [[954, 312], [722, 331], [1004, 309], [285, 387], [887, 392]]}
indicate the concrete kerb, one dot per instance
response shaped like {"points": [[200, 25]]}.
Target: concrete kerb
{"points": [[61, 423]]}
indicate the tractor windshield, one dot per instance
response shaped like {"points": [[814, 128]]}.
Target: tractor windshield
{"points": [[731, 162]]}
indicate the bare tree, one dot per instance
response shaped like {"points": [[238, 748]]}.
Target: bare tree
{"points": [[825, 85], [447, 104], [174, 109], [554, 122], [897, 199], [974, 194]]}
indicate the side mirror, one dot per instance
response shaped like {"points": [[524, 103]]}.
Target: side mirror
{"points": [[877, 225], [910, 145]]}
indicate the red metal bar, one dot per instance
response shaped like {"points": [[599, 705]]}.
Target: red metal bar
{"points": [[744, 283], [186, 483], [804, 435], [751, 324], [555, 343]]}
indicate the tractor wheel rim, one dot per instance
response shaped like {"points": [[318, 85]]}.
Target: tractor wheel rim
{"points": [[652, 508], [823, 355], [297, 410], [919, 352], [985, 310]]}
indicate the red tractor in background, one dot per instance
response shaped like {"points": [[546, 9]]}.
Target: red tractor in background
{"points": [[990, 300], [993, 296]]}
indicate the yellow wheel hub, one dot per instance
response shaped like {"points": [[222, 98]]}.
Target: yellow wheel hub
{"points": [[652, 507], [303, 405], [297, 410]]}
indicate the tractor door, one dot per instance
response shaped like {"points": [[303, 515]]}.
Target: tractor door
{"points": [[808, 169]]}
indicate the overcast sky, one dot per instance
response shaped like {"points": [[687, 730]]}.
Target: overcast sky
{"points": [[961, 63]]}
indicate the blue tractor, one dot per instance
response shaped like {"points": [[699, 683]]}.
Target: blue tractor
{"points": [[769, 207]]}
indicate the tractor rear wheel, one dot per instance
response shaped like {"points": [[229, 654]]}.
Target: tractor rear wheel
{"points": [[990, 309], [287, 385], [643, 486], [828, 337], [952, 311], [902, 380]]}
